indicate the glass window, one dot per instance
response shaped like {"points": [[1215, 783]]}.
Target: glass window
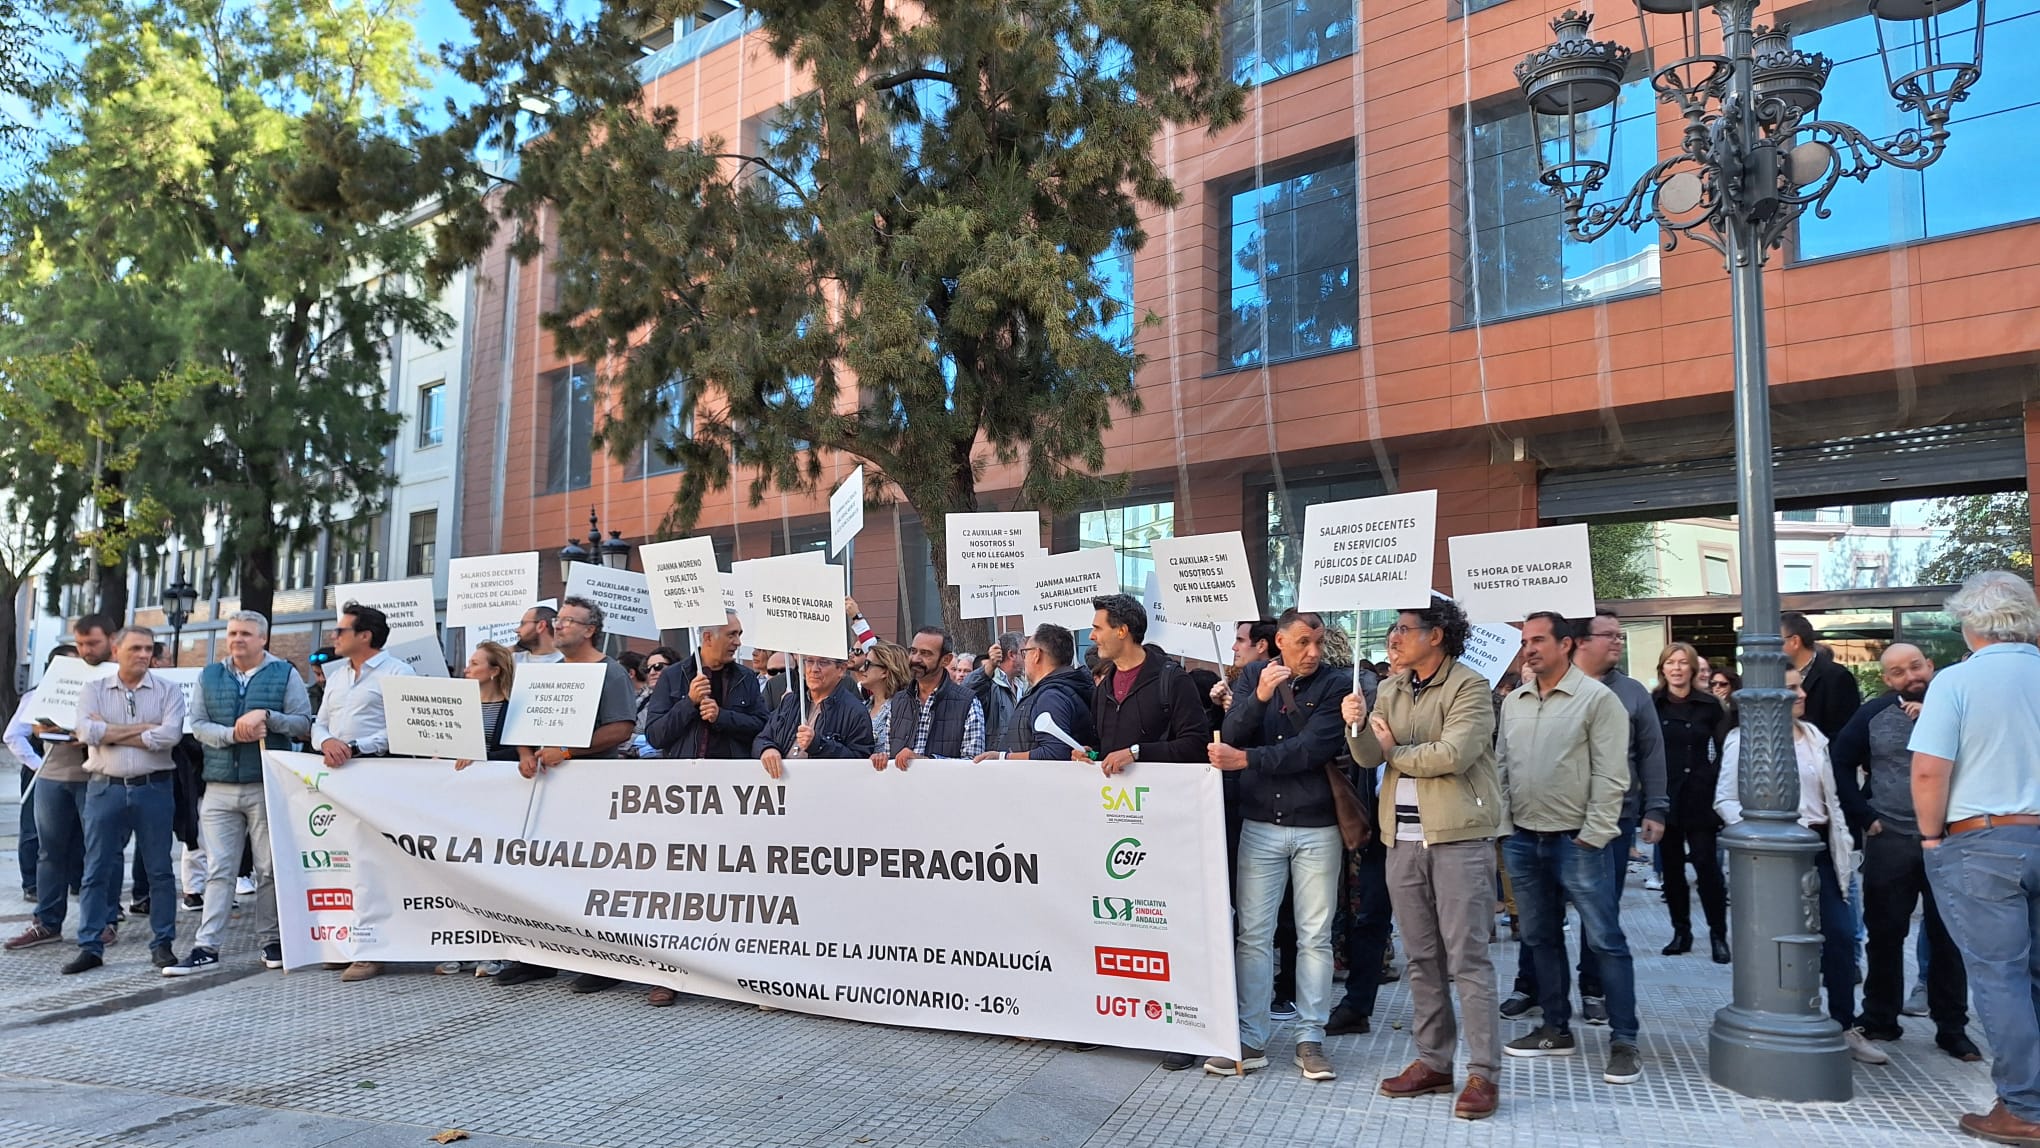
{"points": [[1795, 578], [1131, 530], [570, 414], [432, 413], [1267, 39], [676, 423], [1870, 514], [1294, 251], [1113, 270], [421, 559], [353, 552], [1798, 516], [1523, 260], [1719, 576], [1985, 177]]}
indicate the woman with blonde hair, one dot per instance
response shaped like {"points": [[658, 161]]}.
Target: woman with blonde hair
{"points": [[493, 665], [1692, 725], [885, 674]]}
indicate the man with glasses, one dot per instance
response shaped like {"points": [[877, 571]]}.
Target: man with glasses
{"points": [[1054, 687], [837, 724], [131, 721], [709, 705]]}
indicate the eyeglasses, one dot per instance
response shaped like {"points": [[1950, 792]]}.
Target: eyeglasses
{"points": [[584, 623], [1026, 650], [1609, 635], [1719, 683], [1400, 630]]}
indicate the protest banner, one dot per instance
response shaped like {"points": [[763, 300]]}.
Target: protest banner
{"points": [[1510, 574], [553, 703], [425, 656], [490, 589], [1369, 553], [407, 603], [56, 693], [1490, 650], [684, 582], [1204, 578], [985, 547], [846, 512], [1061, 587], [624, 596], [738, 596], [797, 609], [1000, 897], [1204, 641], [435, 718]]}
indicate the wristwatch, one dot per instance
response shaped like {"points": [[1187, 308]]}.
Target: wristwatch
{"points": [[1134, 749], [353, 749]]}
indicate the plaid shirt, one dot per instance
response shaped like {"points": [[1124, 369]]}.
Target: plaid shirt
{"points": [[973, 729]]}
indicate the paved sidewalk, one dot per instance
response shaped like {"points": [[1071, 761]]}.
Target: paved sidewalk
{"points": [[247, 1056]]}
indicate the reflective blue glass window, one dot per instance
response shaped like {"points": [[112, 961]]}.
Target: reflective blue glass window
{"points": [[1268, 39], [1293, 249]]}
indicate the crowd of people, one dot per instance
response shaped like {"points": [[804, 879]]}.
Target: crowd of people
{"points": [[1410, 795]]}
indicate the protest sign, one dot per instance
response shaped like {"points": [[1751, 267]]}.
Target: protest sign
{"points": [[624, 596], [740, 599], [1490, 650], [1508, 575], [492, 588], [797, 608], [1204, 578], [553, 703], [425, 656], [986, 547], [407, 604], [999, 897], [846, 512], [186, 679], [1205, 641], [435, 719], [1369, 553], [994, 601], [685, 585], [501, 633], [56, 694], [1061, 587]]}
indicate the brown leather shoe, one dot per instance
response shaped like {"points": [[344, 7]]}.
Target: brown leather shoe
{"points": [[661, 997], [2001, 1127], [1479, 1099], [1417, 1080]]}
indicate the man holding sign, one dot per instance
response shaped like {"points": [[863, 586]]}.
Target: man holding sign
{"points": [[577, 633], [707, 706], [60, 794], [831, 722]]}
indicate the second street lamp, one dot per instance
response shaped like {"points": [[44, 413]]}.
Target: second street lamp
{"points": [[1752, 161]]}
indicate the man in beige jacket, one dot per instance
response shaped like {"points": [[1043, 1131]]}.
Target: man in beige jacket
{"points": [[1441, 809]]}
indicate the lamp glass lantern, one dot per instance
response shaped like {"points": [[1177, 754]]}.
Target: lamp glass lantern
{"points": [[1931, 57], [615, 551]]}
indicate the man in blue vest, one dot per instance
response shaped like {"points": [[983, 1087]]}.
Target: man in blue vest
{"points": [[938, 717], [250, 702]]}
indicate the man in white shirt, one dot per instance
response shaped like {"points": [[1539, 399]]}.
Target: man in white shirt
{"points": [[535, 637], [20, 741]]}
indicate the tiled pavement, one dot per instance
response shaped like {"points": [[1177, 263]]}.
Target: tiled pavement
{"points": [[246, 1056]]}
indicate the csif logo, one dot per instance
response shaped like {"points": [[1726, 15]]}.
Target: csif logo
{"points": [[321, 820], [1124, 858], [329, 900], [1135, 964]]}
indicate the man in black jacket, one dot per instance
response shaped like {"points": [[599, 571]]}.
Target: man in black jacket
{"points": [[1832, 695], [709, 705], [1145, 708], [1282, 731], [938, 717], [837, 723], [1054, 688]]}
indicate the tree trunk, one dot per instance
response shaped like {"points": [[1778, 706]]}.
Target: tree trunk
{"points": [[10, 640], [258, 578], [113, 591], [959, 497]]}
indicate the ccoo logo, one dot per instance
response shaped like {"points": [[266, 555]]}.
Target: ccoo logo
{"points": [[1137, 964], [1124, 858], [329, 900], [321, 820]]}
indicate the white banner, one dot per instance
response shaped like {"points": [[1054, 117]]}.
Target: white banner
{"points": [[624, 596], [1017, 898], [425, 656], [1204, 641], [686, 586], [846, 512], [1510, 574], [491, 588], [1369, 553], [1490, 650], [407, 604], [435, 718], [797, 609], [986, 547], [1204, 578], [56, 695], [1061, 587]]}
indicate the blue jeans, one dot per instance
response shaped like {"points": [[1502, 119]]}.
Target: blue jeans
{"points": [[1590, 965], [1546, 869], [1838, 943], [26, 843], [1987, 884], [114, 810], [60, 847], [1306, 862]]}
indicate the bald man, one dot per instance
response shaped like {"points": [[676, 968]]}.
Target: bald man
{"points": [[1894, 870]]}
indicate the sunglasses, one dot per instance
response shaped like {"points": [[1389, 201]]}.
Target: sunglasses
{"points": [[655, 667]]}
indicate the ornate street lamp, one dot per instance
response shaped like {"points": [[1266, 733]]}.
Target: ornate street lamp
{"points": [[1751, 161], [615, 551], [180, 598]]}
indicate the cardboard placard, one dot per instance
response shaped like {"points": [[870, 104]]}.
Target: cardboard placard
{"points": [[554, 703], [490, 589], [740, 599], [1204, 578], [407, 604], [436, 718], [1510, 574], [798, 609], [1369, 553], [185, 678], [1490, 649], [501, 633], [993, 600], [684, 582], [1061, 587], [984, 548], [1204, 641], [846, 512], [624, 595]]}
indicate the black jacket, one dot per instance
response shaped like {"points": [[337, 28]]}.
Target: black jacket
{"points": [[842, 726], [1832, 695], [1693, 734], [1284, 782], [1162, 714], [948, 715], [1064, 695], [673, 721]]}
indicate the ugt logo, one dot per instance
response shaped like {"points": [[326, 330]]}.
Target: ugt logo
{"points": [[1112, 909], [1124, 858]]}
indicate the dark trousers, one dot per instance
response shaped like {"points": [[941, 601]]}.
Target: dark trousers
{"points": [[1894, 879], [1838, 943], [25, 850], [1681, 847], [1590, 963], [1547, 869], [1368, 912], [113, 812]]}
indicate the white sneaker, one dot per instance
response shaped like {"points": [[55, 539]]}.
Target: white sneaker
{"points": [[1654, 882], [1864, 1049], [244, 886], [1916, 1003]]}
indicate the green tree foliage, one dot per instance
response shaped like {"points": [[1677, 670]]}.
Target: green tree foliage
{"points": [[230, 195], [1985, 532], [901, 267], [1624, 559]]}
